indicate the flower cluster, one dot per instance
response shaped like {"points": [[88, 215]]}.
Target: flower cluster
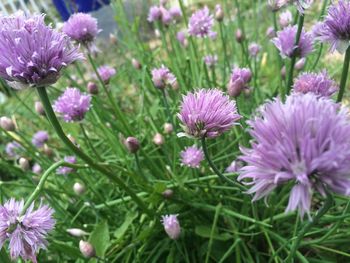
{"points": [[239, 80], [192, 156], [40, 138], [201, 23], [161, 13], [162, 77]]}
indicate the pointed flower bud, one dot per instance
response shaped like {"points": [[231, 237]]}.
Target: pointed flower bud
{"points": [[87, 249], [168, 128], [132, 144], [158, 139], [7, 124], [76, 232], [79, 189], [92, 88], [171, 226]]}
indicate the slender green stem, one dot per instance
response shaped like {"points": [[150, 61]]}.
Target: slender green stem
{"points": [[323, 210], [115, 107], [137, 160], [344, 75], [56, 125], [226, 61], [88, 142], [40, 185], [294, 55], [213, 166], [167, 108]]}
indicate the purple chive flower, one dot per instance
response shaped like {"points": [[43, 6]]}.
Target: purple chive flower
{"points": [[182, 38], [304, 141], [302, 5], [285, 18], [12, 149], [64, 170], [234, 166], [239, 80], [201, 23], [72, 105], [171, 226], [154, 14], [40, 138], [32, 53], [285, 42], [175, 12], [162, 77], [81, 27], [254, 49], [211, 60], [166, 16], [318, 83], [26, 233], [335, 28], [36, 168], [106, 72], [207, 113], [275, 5], [192, 156]]}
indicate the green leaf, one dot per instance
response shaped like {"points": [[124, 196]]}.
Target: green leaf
{"points": [[99, 238], [4, 258], [120, 232], [205, 231], [69, 249]]}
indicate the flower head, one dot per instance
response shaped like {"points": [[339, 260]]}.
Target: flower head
{"points": [[285, 18], [154, 14], [275, 5], [201, 23], [81, 27], [192, 156], [240, 77], [40, 138], [12, 149], [32, 53], [285, 42], [162, 77], [26, 233], [302, 5], [211, 60], [106, 72], [254, 49], [207, 113], [64, 170], [304, 141], [171, 226], [318, 83], [335, 28], [72, 105]]}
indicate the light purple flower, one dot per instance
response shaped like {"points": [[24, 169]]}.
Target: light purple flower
{"points": [[36, 168], [239, 80], [26, 233], [162, 77], [81, 27], [275, 5], [106, 73], [171, 226], [211, 60], [207, 113], [40, 138], [318, 83], [64, 170], [201, 23], [32, 53], [154, 14], [175, 12], [192, 156], [72, 105], [285, 42], [335, 28], [166, 16], [304, 141], [285, 18], [182, 38], [254, 49], [12, 149], [270, 32], [234, 166], [302, 5]]}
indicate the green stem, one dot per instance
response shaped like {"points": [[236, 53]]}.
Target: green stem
{"points": [[56, 125], [167, 108], [88, 142], [323, 210], [212, 165], [40, 185], [344, 75], [294, 55], [115, 107], [223, 40]]}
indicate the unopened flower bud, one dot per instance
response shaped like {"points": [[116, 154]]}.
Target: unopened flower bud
{"points": [[39, 108], [136, 64], [219, 13], [79, 189], [132, 144], [76, 232], [36, 168], [270, 32], [7, 124], [92, 88], [168, 128], [48, 151], [23, 164], [171, 226], [168, 193], [239, 36], [87, 249], [158, 139], [299, 65]]}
